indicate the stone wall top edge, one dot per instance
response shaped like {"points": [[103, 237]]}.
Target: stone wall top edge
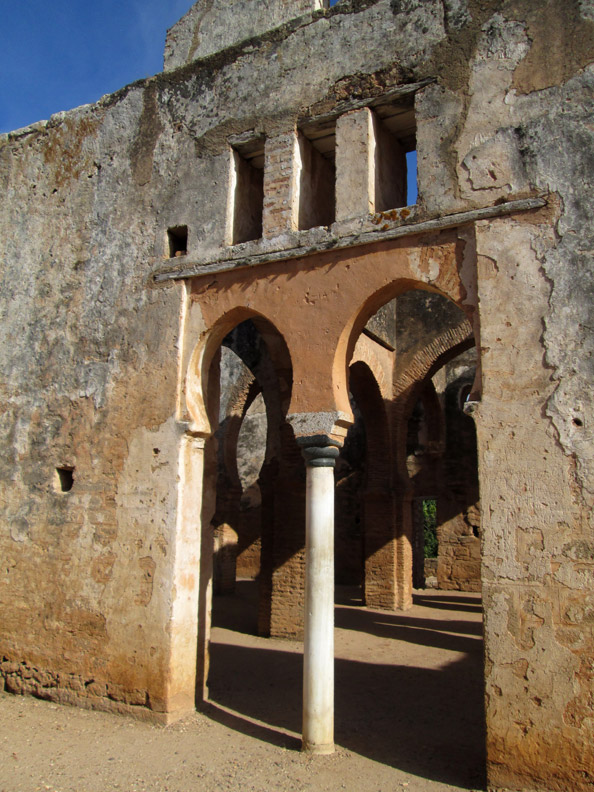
{"points": [[216, 61], [210, 63], [186, 41], [58, 118]]}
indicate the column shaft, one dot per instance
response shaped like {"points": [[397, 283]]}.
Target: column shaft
{"points": [[318, 660]]}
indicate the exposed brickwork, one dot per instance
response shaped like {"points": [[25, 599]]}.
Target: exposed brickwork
{"points": [[288, 572], [459, 516], [280, 186]]}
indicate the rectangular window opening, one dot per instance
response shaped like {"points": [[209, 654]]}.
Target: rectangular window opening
{"points": [[177, 237], [247, 191], [317, 177], [395, 156]]}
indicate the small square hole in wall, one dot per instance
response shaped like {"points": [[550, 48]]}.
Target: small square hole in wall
{"points": [[64, 479], [317, 154], [246, 205], [177, 237]]}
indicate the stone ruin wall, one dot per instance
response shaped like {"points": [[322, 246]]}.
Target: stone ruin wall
{"points": [[207, 27], [93, 349]]}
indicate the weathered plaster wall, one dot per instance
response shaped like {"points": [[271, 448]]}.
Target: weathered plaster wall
{"points": [[90, 378], [536, 355], [213, 25], [537, 560]]}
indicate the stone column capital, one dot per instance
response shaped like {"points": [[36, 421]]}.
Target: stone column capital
{"points": [[320, 428], [319, 454]]}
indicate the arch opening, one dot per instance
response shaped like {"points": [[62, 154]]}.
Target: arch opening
{"points": [[412, 367], [441, 460], [249, 385]]}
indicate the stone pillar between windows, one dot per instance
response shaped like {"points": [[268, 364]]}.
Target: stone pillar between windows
{"points": [[320, 453], [281, 188], [370, 166], [355, 164]]}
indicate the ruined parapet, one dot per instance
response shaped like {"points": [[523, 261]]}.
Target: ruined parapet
{"points": [[213, 25]]}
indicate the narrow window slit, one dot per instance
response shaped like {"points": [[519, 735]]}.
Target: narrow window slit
{"points": [[395, 155], [317, 175]]}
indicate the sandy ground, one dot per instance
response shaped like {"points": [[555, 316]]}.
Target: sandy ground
{"points": [[408, 714]]}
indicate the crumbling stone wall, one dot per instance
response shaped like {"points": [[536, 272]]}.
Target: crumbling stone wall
{"points": [[89, 384], [207, 28], [100, 333]]}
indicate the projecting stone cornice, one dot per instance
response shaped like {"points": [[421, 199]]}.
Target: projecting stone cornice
{"points": [[391, 225]]}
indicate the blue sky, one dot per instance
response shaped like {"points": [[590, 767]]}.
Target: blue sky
{"points": [[58, 54]]}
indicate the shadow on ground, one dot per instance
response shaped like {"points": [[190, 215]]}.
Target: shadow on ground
{"points": [[424, 721]]}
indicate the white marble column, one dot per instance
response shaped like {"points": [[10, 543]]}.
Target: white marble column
{"points": [[318, 652]]}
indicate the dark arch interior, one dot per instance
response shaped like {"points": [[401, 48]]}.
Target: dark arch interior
{"points": [[258, 470]]}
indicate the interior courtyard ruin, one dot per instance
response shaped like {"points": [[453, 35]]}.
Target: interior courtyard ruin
{"points": [[239, 358]]}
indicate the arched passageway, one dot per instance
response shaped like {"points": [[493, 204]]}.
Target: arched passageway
{"points": [[409, 366], [441, 460], [260, 474], [248, 388], [371, 494], [356, 347], [419, 443]]}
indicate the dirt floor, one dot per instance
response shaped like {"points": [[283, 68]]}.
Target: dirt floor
{"points": [[408, 714]]}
